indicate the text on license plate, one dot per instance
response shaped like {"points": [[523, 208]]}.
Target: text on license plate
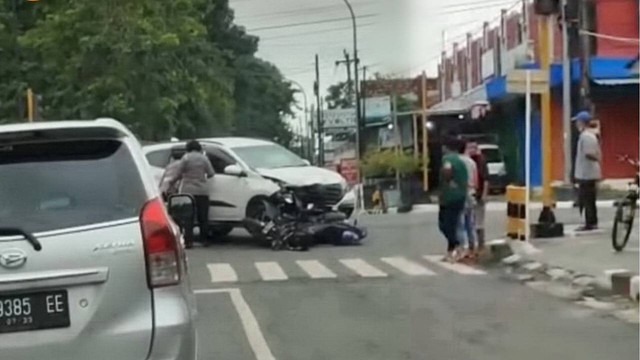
{"points": [[34, 311]]}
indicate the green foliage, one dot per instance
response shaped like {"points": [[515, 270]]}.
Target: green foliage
{"points": [[338, 96], [386, 162], [165, 68]]}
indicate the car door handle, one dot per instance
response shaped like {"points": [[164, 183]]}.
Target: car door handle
{"points": [[53, 279]]}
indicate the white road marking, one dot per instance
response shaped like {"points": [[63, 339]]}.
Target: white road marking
{"points": [[249, 323], [271, 271], [315, 269], [222, 272], [363, 268], [408, 267], [459, 268]]}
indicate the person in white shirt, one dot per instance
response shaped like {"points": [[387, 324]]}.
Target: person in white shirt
{"points": [[588, 170], [466, 228]]}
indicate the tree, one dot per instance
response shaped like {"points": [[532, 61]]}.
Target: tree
{"points": [[262, 100], [165, 68], [338, 96]]}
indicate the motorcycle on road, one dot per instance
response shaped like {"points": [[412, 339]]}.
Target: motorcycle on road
{"points": [[290, 224]]}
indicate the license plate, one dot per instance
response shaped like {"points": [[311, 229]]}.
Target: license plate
{"points": [[268, 227], [35, 311]]}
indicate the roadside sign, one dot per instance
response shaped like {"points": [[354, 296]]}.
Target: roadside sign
{"points": [[376, 109], [339, 118], [517, 81]]}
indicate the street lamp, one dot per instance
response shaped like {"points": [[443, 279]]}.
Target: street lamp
{"points": [[357, 81], [306, 111]]}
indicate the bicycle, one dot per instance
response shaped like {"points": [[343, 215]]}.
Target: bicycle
{"points": [[626, 209]]}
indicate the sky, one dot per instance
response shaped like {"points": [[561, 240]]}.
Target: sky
{"points": [[395, 37]]}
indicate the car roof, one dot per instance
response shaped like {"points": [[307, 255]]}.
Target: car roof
{"points": [[228, 142], [103, 127], [236, 141]]}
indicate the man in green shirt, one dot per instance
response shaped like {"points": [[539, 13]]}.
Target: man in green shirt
{"points": [[454, 181]]}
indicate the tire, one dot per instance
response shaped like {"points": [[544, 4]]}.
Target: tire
{"points": [[256, 209], [622, 225]]}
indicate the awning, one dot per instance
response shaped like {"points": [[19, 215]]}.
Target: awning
{"points": [[460, 104], [610, 68], [614, 82]]}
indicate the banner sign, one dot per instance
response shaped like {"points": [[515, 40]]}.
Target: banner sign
{"points": [[339, 119], [377, 110]]}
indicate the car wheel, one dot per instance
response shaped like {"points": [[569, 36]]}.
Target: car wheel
{"points": [[256, 210]]}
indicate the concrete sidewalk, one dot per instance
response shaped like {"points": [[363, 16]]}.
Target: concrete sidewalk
{"points": [[589, 255], [502, 206]]}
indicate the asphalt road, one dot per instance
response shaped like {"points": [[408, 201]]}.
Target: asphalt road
{"points": [[385, 300]]}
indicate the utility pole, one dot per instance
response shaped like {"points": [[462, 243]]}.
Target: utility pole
{"points": [[566, 94], [304, 131], [319, 116], [360, 145], [356, 62], [363, 94], [312, 135], [347, 61], [398, 135], [585, 53], [425, 134], [547, 217], [30, 105]]}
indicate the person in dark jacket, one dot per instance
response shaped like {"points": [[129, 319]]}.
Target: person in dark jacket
{"points": [[193, 173]]}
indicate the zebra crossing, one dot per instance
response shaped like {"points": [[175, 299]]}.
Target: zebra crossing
{"points": [[314, 269]]}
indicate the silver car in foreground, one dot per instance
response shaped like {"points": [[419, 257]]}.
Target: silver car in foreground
{"points": [[91, 265]]}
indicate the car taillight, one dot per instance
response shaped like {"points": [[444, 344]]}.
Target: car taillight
{"points": [[160, 245]]}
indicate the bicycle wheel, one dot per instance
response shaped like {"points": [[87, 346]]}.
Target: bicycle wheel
{"points": [[622, 225]]}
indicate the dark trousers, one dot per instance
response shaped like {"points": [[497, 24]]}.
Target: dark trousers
{"points": [[448, 219], [202, 218], [587, 194]]}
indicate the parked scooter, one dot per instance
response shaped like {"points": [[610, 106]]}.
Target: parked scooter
{"points": [[290, 224]]}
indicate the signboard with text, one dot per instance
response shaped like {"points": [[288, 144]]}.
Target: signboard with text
{"points": [[377, 110], [338, 120]]}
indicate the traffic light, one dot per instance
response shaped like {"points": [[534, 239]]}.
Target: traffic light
{"points": [[546, 7]]}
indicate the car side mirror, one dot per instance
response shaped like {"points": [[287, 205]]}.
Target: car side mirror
{"points": [[306, 162], [234, 170], [181, 208]]}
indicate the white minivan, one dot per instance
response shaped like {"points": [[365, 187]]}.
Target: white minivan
{"points": [[248, 170]]}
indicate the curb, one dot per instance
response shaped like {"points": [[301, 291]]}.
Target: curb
{"points": [[514, 254], [610, 293], [502, 206]]}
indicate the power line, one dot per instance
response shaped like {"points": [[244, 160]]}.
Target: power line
{"points": [[315, 32], [326, 21], [487, 3], [477, 29], [611, 37], [458, 11], [306, 11]]}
